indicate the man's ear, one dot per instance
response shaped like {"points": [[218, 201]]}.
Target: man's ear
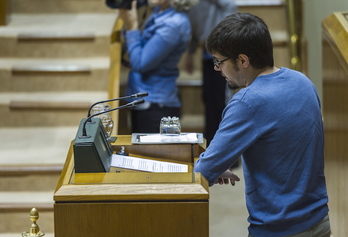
{"points": [[244, 60]]}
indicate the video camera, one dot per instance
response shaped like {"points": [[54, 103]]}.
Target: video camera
{"points": [[126, 4]]}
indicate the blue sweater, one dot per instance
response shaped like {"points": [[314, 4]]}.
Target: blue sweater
{"points": [[154, 54], [276, 125]]}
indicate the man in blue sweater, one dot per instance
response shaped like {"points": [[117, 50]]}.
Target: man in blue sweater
{"points": [[274, 121]]}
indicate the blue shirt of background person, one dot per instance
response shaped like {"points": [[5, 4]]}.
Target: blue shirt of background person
{"points": [[154, 54]]}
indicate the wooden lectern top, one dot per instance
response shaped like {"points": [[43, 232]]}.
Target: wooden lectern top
{"points": [[129, 185]]}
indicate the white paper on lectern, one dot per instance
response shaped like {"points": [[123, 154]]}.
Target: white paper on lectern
{"points": [[157, 138], [135, 163]]}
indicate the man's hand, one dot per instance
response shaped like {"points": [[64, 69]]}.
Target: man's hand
{"points": [[227, 177]]}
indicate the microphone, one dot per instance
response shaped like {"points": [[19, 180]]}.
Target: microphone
{"points": [[130, 104], [137, 95]]}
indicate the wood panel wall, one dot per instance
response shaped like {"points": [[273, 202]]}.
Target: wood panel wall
{"points": [[335, 112]]}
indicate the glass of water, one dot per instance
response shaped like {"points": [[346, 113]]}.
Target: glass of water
{"points": [[106, 118], [170, 129]]}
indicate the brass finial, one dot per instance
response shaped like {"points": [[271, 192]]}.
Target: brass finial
{"points": [[34, 228]]}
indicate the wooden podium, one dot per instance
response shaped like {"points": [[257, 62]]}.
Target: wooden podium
{"points": [[132, 203]]}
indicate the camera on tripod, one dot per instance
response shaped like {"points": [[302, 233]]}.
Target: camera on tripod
{"points": [[125, 4]]}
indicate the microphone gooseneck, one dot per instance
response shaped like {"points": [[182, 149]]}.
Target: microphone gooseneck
{"points": [[137, 95], [130, 104]]}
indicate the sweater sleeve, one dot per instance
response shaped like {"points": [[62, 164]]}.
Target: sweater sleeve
{"points": [[235, 134]]}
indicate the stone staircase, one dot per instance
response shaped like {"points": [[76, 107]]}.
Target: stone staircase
{"points": [[54, 63]]}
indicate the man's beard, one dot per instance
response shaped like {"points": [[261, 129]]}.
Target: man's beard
{"points": [[233, 87]]}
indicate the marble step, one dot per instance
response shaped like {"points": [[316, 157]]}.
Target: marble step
{"points": [[274, 14], [40, 74], [40, 109], [34, 177], [35, 149], [15, 208], [22, 188], [57, 35], [58, 6]]}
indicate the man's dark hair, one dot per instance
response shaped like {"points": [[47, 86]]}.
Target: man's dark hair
{"points": [[242, 33]]}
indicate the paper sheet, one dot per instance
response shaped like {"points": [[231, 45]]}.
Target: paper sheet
{"points": [[190, 137], [135, 163]]}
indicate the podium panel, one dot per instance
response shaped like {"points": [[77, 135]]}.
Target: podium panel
{"points": [[123, 202], [132, 219]]}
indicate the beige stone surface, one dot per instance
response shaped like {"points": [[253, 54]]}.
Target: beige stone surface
{"points": [[35, 146]]}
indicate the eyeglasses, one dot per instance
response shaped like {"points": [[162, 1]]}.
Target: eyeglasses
{"points": [[217, 63]]}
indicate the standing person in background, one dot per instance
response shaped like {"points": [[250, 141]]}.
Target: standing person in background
{"points": [[204, 17], [154, 52], [275, 123]]}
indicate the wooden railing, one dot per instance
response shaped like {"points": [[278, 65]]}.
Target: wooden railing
{"points": [[296, 43], [114, 71], [335, 112], [4, 12]]}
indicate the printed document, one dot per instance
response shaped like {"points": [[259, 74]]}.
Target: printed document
{"points": [[135, 163]]}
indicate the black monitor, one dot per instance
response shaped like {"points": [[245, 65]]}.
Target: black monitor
{"points": [[93, 152]]}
